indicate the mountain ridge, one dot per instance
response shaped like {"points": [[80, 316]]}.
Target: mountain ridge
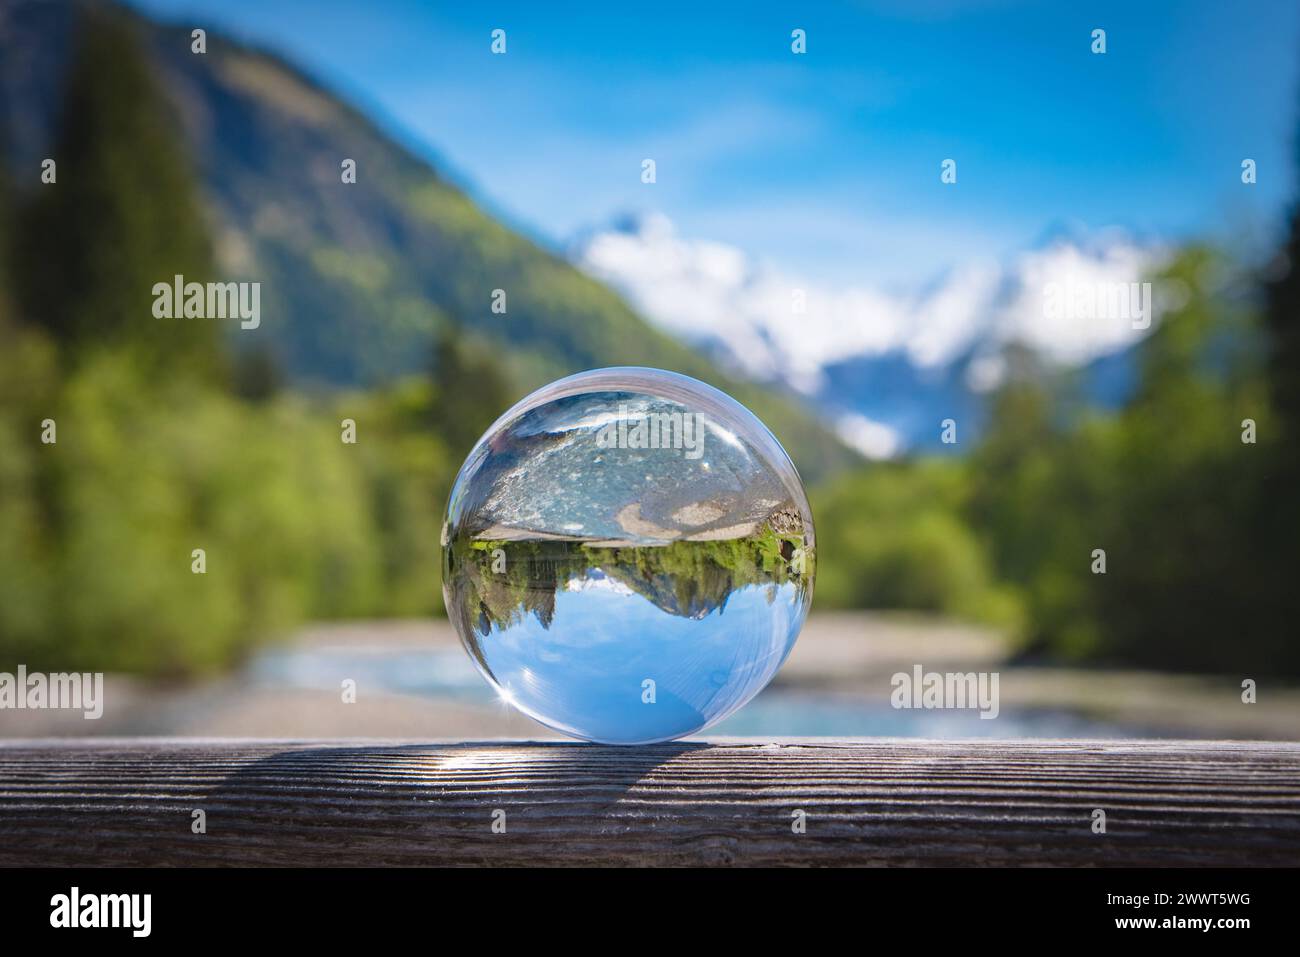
{"points": [[901, 360], [358, 280]]}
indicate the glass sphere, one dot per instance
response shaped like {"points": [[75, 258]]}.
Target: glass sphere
{"points": [[628, 555]]}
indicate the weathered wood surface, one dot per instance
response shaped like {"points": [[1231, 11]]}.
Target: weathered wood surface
{"points": [[867, 801]]}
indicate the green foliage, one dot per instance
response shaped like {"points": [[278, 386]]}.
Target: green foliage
{"points": [[1201, 543], [1034, 500], [471, 393], [27, 386], [406, 471], [97, 531], [144, 477], [6, 251], [122, 215], [1279, 535], [153, 458], [892, 536], [1282, 324], [1200, 555], [1194, 545]]}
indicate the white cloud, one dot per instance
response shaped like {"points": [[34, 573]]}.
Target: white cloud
{"points": [[985, 373], [873, 439], [774, 325], [1072, 339]]}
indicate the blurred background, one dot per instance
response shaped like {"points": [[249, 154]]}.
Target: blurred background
{"points": [[797, 248]]}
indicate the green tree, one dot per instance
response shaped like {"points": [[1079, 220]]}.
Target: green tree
{"points": [[122, 215], [255, 374], [1282, 323], [1279, 532], [469, 392], [6, 251], [893, 536], [1195, 555], [1187, 583], [1034, 489]]}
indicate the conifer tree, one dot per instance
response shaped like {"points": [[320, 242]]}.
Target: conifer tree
{"points": [[122, 214], [470, 392], [1283, 324], [6, 250]]}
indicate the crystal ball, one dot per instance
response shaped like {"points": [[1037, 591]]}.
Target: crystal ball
{"points": [[628, 555]]}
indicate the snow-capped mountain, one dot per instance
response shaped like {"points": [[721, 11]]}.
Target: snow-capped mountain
{"points": [[887, 367]]}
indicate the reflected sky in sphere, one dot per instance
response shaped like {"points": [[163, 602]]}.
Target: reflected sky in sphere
{"points": [[589, 681], [620, 580]]}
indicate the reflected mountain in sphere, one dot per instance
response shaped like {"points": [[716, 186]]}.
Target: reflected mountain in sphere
{"points": [[628, 555]]}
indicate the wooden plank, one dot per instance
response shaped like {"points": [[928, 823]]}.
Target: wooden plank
{"points": [[866, 801]]}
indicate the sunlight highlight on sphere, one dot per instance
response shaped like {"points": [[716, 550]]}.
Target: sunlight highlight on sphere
{"points": [[628, 555]]}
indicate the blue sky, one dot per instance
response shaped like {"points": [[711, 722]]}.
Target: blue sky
{"points": [[826, 164]]}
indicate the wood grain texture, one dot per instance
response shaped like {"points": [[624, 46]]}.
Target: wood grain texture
{"points": [[867, 801]]}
